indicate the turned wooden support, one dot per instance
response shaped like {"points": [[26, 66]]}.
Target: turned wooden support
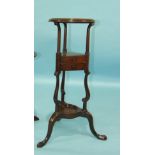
{"points": [[55, 97], [65, 39], [88, 38], [58, 38], [63, 73], [57, 72], [86, 98]]}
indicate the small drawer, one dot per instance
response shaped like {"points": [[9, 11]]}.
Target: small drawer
{"points": [[74, 59], [73, 66]]}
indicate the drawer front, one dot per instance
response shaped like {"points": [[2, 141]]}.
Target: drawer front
{"points": [[74, 62], [73, 66], [79, 59]]}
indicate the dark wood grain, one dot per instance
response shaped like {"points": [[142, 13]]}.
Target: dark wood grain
{"points": [[71, 20], [70, 61]]}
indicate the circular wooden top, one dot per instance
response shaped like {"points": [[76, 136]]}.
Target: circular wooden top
{"points": [[71, 20]]}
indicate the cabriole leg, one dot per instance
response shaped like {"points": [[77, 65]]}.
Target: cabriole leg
{"points": [[52, 121], [91, 125]]}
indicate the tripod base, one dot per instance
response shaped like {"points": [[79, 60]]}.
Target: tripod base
{"points": [[69, 111]]}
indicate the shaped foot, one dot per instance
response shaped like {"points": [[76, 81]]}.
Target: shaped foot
{"points": [[42, 143], [102, 137], [52, 121], [91, 125]]}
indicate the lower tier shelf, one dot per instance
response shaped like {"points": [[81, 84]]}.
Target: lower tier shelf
{"points": [[69, 109]]}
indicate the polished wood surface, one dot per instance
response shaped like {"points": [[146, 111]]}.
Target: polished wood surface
{"points": [[68, 61], [71, 20]]}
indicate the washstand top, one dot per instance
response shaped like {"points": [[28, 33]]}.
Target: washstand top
{"points": [[72, 20]]}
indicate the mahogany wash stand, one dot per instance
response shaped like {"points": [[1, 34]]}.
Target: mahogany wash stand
{"points": [[67, 61]]}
